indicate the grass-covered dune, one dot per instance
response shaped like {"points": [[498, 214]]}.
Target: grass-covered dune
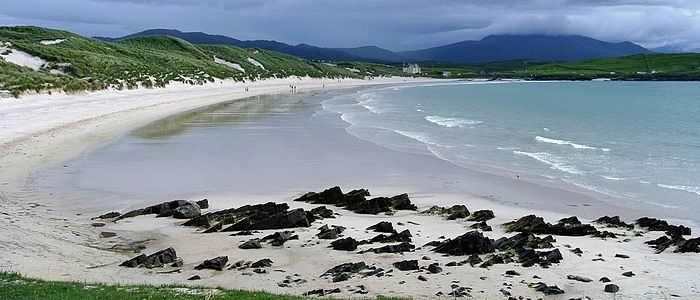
{"points": [[80, 63], [14, 286]]}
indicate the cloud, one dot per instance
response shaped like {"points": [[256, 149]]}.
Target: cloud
{"points": [[393, 24]]}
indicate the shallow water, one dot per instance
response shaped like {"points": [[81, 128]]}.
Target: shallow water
{"points": [[635, 140]]}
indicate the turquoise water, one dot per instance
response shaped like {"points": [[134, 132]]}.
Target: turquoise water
{"points": [[637, 140]]}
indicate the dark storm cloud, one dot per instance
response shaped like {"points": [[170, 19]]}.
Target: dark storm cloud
{"points": [[393, 24]]}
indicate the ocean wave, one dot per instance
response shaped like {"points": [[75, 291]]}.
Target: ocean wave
{"points": [[689, 189], [553, 161], [419, 136], [563, 142], [367, 100], [612, 178], [451, 122]]}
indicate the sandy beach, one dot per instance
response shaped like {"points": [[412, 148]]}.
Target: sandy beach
{"points": [[50, 236]]}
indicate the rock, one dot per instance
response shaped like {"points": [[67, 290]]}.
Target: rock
{"points": [[157, 259], [163, 209], [611, 288], [110, 215], [217, 263], [346, 244], [422, 278], [178, 263], [341, 277], [534, 224], [332, 195], [504, 292], [330, 233], [293, 218], [628, 274], [481, 226], [188, 210], [473, 260], [613, 222], [653, 224], [604, 279], [524, 240], [346, 268], [195, 277], [107, 234], [263, 263], [203, 204], [97, 224], [434, 268], [322, 292], [605, 234], [547, 290], [472, 242], [280, 237], [259, 271], [406, 265], [403, 236], [481, 216], [426, 258], [691, 245], [621, 256], [361, 289], [578, 278], [383, 226], [577, 251], [322, 212], [457, 212], [251, 244], [493, 260], [399, 248], [512, 273], [573, 220]]}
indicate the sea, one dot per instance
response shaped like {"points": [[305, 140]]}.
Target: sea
{"points": [[634, 140]]}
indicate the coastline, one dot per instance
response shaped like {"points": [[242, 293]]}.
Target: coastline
{"points": [[166, 234]]}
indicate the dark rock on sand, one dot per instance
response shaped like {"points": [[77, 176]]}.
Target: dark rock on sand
{"points": [[653, 224], [110, 215], [322, 292], [604, 279], [195, 277], [524, 239], [356, 201], [481, 226], [251, 244], [330, 233], [434, 268], [611, 288], [547, 290], [346, 244], [613, 222], [177, 263], [403, 236], [691, 245], [493, 260], [164, 209], [472, 242], [618, 255], [422, 278], [605, 234], [346, 268], [481, 215], [512, 273], [578, 278], [253, 217], [457, 212], [263, 263], [534, 224], [383, 226], [398, 248], [280, 237], [157, 259], [577, 251], [341, 277], [187, 211], [217, 263], [406, 265], [322, 212], [628, 274]]}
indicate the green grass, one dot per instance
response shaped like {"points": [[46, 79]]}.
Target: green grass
{"points": [[153, 61], [14, 286]]}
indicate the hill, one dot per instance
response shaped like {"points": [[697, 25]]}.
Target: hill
{"points": [[70, 62], [533, 47], [301, 50], [374, 53]]}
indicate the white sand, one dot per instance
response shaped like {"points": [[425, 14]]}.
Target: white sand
{"points": [[52, 42], [39, 238], [229, 64], [20, 58], [256, 63]]}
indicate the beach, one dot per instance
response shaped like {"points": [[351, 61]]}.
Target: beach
{"points": [[276, 158]]}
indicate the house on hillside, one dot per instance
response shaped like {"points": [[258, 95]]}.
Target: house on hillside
{"points": [[412, 69]]}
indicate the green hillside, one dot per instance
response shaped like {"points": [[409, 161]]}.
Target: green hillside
{"points": [[80, 63]]}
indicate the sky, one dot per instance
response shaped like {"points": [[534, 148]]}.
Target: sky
{"points": [[390, 24]]}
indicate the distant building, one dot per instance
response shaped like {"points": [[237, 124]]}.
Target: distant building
{"points": [[412, 69], [446, 74]]}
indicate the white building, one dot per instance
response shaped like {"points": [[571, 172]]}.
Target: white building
{"points": [[412, 69]]}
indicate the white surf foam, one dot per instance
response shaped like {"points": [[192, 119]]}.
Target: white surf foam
{"points": [[553, 161], [451, 122], [563, 142], [418, 136], [689, 189]]}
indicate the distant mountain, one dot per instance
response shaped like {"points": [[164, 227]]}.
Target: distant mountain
{"points": [[489, 49], [536, 47], [302, 50], [374, 53]]}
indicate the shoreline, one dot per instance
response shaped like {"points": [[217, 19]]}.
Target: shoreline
{"points": [[166, 234]]}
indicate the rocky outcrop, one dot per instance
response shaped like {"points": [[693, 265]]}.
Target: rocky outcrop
{"points": [[346, 244], [383, 226], [253, 217], [481, 216], [217, 263], [653, 224], [251, 244], [182, 209], [406, 265], [398, 248], [157, 259], [280, 237], [481, 226], [534, 224], [396, 237], [330, 233], [345, 271], [613, 222], [452, 213], [472, 242], [322, 212], [356, 201]]}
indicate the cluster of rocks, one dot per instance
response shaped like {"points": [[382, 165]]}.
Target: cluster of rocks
{"points": [[253, 217], [346, 271], [673, 236], [155, 260], [357, 201], [570, 226], [169, 256], [180, 209]]}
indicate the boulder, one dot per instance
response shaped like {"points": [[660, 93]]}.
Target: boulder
{"points": [[406, 265], [398, 248], [457, 212], [613, 222], [690, 245], [280, 237], [322, 292], [346, 244], [573, 220], [534, 224], [263, 263], [422, 278], [434, 268], [397, 237], [203, 204], [330, 233], [472, 242], [195, 277], [628, 274], [481, 216], [251, 244], [547, 290], [604, 279], [217, 263], [345, 268], [188, 210], [512, 273], [383, 226], [611, 288], [322, 212], [653, 224]]}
